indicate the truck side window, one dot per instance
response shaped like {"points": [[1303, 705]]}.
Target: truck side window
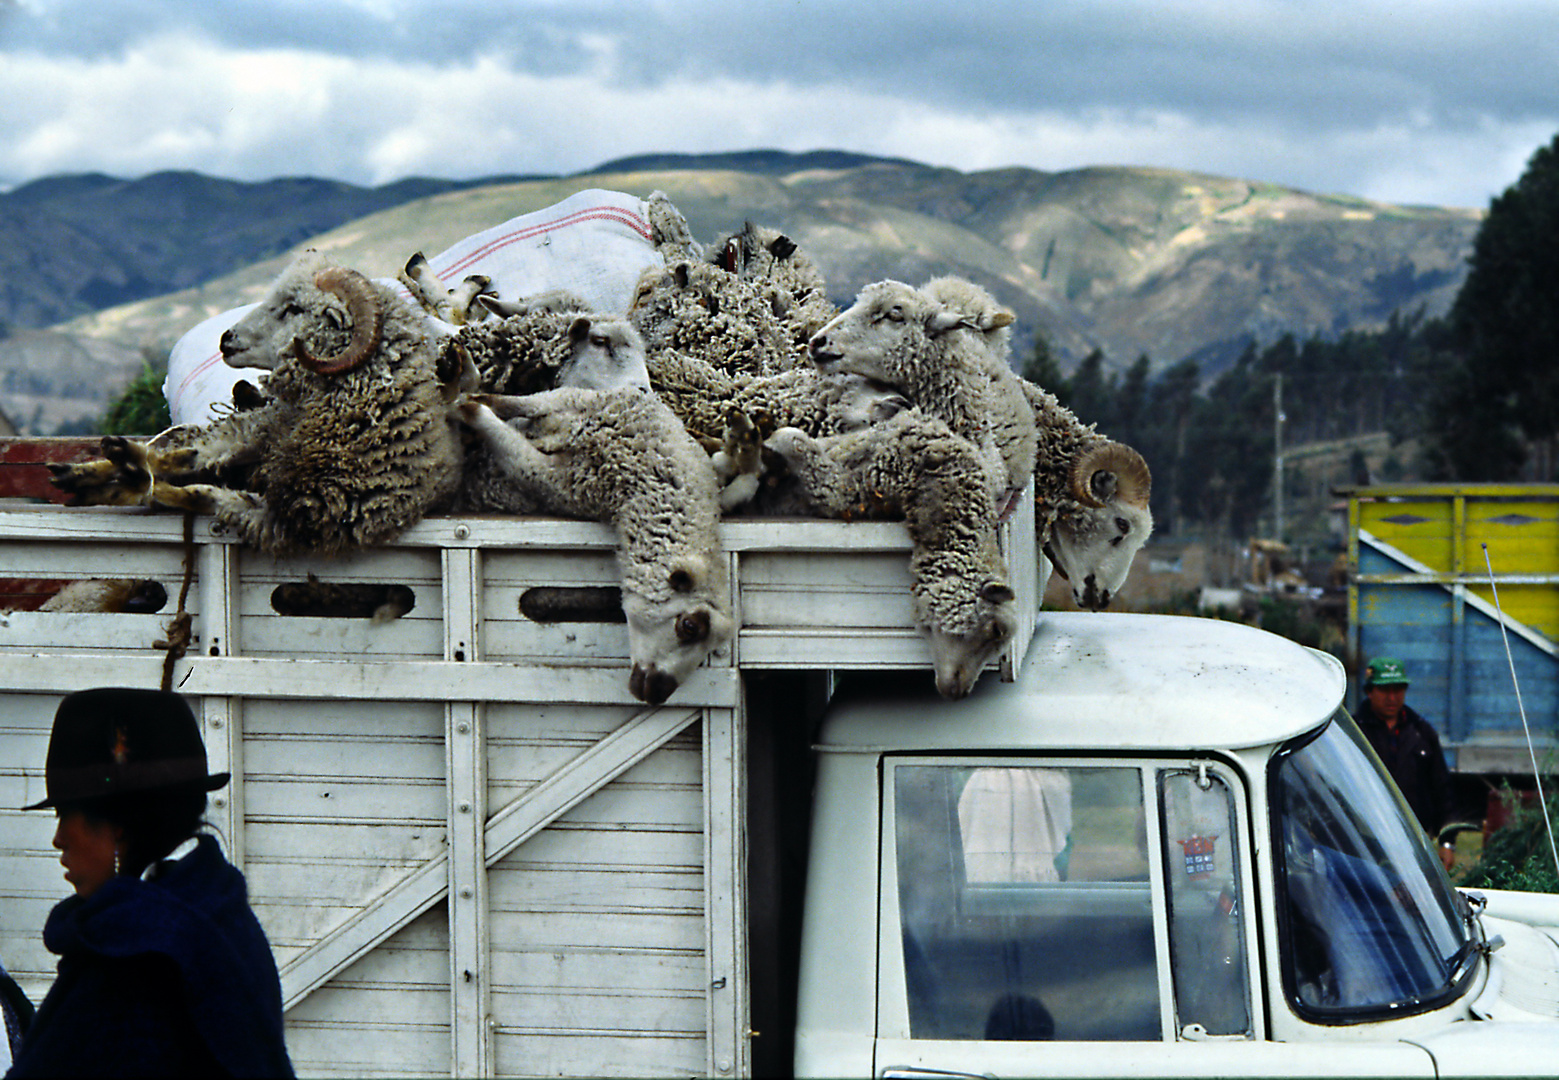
{"points": [[1025, 903], [1206, 938]]}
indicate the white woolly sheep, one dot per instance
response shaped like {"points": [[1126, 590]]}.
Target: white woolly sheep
{"points": [[1093, 493], [532, 356], [931, 353], [701, 310], [991, 326], [1091, 501], [915, 467], [536, 345], [352, 445], [945, 346], [770, 260], [622, 457], [731, 416]]}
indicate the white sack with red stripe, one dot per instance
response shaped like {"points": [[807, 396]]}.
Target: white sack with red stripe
{"points": [[594, 243]]}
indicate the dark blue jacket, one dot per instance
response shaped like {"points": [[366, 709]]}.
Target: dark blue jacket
{"points": [[170, 977]]}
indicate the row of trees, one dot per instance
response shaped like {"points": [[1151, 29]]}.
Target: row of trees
{"points": [[1477, 391]]}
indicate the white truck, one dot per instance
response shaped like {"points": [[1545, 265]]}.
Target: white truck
{"points": [[1143, 846]]}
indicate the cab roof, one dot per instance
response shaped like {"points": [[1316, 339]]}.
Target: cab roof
{"points": [[1100, 681]]}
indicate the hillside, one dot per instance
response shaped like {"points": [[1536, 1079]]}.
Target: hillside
{"points": [[75, 244], [1130, 261]]}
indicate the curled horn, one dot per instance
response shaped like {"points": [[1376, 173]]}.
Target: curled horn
{"points": [[362, 308], [1111, 469]]}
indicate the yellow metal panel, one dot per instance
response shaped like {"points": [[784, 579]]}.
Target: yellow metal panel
{"points": [[1446, 526], [1523, 537], [1535, 605], [1417, 527]]}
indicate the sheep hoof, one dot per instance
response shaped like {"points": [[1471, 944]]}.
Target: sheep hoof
{"points": [[741, 442], [119, 478]]}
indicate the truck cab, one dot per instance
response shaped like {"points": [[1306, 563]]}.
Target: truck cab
{"points": [[1162, 850]]}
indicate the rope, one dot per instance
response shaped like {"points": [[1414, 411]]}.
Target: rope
{"points": [[178, 632]]}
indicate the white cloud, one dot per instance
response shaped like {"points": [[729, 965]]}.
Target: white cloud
{"points": [[180, 100]]}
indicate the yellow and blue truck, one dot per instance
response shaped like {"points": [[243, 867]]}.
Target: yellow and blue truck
{"points": [[1426, 562]]}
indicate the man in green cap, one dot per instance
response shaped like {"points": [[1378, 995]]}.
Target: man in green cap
{"points": [[1407, 744]]}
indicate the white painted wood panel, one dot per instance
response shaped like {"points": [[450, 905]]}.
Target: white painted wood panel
{"points": [[524, 1051], [386, 1015]]}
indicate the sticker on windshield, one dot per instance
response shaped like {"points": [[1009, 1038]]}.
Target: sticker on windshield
{"points": [[1199, 855]]}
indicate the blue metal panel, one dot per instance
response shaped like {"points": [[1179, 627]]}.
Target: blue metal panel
{"points": [[1468, 701]]}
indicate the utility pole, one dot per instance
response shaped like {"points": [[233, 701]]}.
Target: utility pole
{"points": [[1277, 457]]}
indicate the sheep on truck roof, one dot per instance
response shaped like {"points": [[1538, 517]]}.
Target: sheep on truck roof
{"points": [[772, 261], [913, 466], [621, 456], [767, 267], [930, 352], [534, 347], [726, 413], [592, 353], [1091, 512], [1091, 494], [698, 308], [1093, 515], [352, 445]]}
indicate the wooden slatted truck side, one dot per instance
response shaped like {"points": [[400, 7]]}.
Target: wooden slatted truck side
{"points": [[473, 851]]}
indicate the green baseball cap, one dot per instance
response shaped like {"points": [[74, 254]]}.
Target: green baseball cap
{"points": [[1385, 671]]}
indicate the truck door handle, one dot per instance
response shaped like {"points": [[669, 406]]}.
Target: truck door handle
{"points": [[920, 1072]]}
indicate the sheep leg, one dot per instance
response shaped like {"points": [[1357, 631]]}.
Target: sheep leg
{"points": [[515, 455], [121, 477], [532, 406], [739, 461], [223, 502], [825, 475], [185, 453]]}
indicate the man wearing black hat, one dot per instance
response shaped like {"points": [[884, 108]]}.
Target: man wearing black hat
{"points": [[1407, 745], [163, 970]]}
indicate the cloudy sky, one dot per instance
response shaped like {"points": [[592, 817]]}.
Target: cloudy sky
{"points": [[1409, 101]]}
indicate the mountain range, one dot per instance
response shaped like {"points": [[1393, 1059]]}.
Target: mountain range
{"points": [[1130, 261]]}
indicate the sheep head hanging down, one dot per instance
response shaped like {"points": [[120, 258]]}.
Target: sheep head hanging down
{"points": [[351, 445], [1094, 541], [912, 466], [622, 457]]}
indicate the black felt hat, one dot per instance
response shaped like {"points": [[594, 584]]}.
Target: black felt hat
{"points": [[117, 741]]}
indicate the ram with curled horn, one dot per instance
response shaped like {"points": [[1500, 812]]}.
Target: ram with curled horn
{"points": [[364, 318], [1097, 532], [1099, 529], [351, 445], [1108, 471]]}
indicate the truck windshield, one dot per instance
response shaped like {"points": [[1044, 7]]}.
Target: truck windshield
{"points": [[1372, 925]]}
